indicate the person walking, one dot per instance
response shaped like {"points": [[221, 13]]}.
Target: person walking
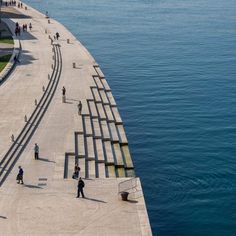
{"points": [[57, 35], [20, 176], [36, 151], [80, 188], [30, 26], [63, 94], [79, 107]]}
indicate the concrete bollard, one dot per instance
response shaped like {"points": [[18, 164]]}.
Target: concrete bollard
{"points": [[12, 138], [43, 88], [68, 40], [35, 102], [25, 118], [74, 65]]}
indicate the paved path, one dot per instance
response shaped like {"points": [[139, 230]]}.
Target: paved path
{"points": [[46, 204]]}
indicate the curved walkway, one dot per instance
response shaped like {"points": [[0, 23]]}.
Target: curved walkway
{"points": [[46, 203]]}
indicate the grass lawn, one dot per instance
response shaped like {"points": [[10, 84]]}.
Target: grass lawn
{"points": [[7, 40], [4, 60]]}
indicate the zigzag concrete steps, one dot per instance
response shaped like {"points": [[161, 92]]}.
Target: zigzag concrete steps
{"points": [[105, 85], [127, 157], [102, 115], [109, 153], [93, 109], [101, 170], [96, 128], [109, 115], [118, 155], [98, 82], [113, 132], [130, 173], [87, 126], [82, 165], [104, 98], [96, 95], [111, 171], [116, 114], [91, 169], [120, 172], [105, 131], [85, 109], [99, 71], [122, 136], [99, 151], [81, 145], [90, 153], [111, 99]]}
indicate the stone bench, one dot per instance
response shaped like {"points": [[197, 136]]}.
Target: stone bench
{"points": [[108, 153], [104, 98], [118, 155], [90, 153], [99, 151], [101, 170], [105, 85], [87, 126], [105, 131], [122, 135], [98, 82], [96, 95], [111, 99], [96, 128], [116, 114], [101, 112], [109, 114], [127, 157], [113, 132], [92, 109]]}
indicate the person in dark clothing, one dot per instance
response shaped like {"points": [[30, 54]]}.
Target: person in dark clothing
{"points": [[20, 176], [76, 172], [79, 107], [57, 35], [80, 188], [63, 94], [36, 151]]}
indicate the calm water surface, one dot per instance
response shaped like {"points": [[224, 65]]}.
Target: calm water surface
{"points": [[172, 67]]}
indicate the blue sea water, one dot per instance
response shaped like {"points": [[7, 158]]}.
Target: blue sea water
{"points": [[172, 67]]}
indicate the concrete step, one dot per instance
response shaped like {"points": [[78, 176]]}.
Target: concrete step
{"points": [[116, 114], [111, 171], [96, 128], [101, 112], [87, 126], [99, 72], [130, 173], [120, 172], [104, 98], [108, 153], [90, 153], [96, 95], [98, 82], [81, 163], [118, 155], [105, 131], [109, 114], [92, 109], [105, 85], [122, 136], [113, 132], [81, 145], [101, 170], [99, 151], [85, 109], [111, 99], [70, 166], [91, 169], [127, 157]]}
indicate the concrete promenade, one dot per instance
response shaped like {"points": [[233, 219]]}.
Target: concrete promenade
{"points": [[46, 204]]}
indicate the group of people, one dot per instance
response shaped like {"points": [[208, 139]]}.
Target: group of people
{"points": [[80, 185], [24, 27], [10, 3]]}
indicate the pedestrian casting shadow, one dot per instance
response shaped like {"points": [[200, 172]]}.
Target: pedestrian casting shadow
{"points": [[31, 186], [45, 159], [71, 99], [3, 217], [95, 200]]}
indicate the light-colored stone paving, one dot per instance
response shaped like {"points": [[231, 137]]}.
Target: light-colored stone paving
{"points": [[49, 206]]}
